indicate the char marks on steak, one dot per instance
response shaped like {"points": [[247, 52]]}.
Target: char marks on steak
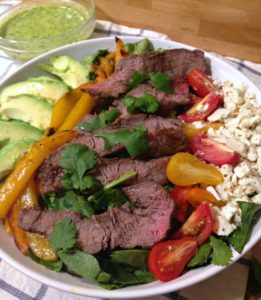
{"points": [[50, 174], [142, 226], [177, 63]]}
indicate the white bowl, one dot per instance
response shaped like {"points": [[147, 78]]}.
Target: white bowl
{"points": [[9, 252]]}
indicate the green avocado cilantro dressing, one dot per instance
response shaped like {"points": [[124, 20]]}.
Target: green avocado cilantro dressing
{"points": [[43, 22]]}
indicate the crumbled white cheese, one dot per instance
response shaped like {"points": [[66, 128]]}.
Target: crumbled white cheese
{"points": [[241, 132]]}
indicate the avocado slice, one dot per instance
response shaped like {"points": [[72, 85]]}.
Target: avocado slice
{"points": [[72, 72], [10, 153], [49, 88], [18, 130], [140, 47], [35, 111]]}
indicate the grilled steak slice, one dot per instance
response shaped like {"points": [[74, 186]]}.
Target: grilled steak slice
{"points": [[175, 62], [165, 135], [165, 138], [50, 174], [142, 226], [167, 102], [37, 220]]}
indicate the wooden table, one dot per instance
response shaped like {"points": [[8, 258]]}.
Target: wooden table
{"points": [[228, 27]]}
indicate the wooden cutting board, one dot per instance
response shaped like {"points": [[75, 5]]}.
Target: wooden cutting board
{"points": [[228, 27]]}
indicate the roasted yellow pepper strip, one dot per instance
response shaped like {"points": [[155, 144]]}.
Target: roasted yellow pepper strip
{"points": [[26, 166], [82, 107], [64, 105]]}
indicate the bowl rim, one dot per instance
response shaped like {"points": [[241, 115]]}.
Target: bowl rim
{"points": [[4, 17], [130, 293]]}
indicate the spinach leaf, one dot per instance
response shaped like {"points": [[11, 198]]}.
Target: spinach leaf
{"points": [[222, 253], [147, 104], [135, 141], [81, 263], [104, 118], [50, 265], [136, 79], [137, 258], [161, 82], [70, 200], [140, 47], [63, 236], [76, 159], [202, 256], [240, 236]]}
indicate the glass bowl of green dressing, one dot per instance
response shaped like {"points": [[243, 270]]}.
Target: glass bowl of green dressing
{"points": [[33, 27]]}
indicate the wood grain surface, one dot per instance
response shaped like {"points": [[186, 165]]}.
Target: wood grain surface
{"points": [[228, 27]]}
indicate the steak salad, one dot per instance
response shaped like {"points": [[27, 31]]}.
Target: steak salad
{"points": [[138, 176]]}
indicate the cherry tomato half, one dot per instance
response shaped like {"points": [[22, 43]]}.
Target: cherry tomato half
{"points": [[212, 151], [168, 259], [199, 225], [200, 82], [202, 109]]}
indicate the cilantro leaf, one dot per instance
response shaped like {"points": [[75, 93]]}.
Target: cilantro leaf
{"points": [[50, 265], [135, 141], [222, 253], [161, 82], [104, 118], [103, 199], [240, 236], [146, 103], [202, 256], [70, 200], [136, 79], [63, 235], [76, 159], [81, 263]]}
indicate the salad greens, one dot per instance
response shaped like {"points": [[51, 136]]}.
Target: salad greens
{"points": [[50, 265], [147, 103], [103, 119], [202, 256], [135, 141], [240, 236], [222, 253]]}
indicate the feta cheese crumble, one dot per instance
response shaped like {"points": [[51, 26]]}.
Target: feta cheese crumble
{"points": [[241, 132]]}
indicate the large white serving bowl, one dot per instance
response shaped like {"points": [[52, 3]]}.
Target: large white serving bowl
{"points": [[9, 252]]}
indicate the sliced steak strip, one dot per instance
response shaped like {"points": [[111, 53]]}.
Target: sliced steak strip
{"points": [[175, 62], [167, 101], [142, 226], [165, 136], [50, 174]]}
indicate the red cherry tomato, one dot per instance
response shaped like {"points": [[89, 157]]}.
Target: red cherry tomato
{"points": [[200, 82], [168, 259], [199, 225], [212, 151], [179, 195], [202, 109]]}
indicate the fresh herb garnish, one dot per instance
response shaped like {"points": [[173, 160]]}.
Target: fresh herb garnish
{"points": [[147, 104], [63, 236], [81, 263], [50, 265], [240, 236], [76, 159], [135, 140], [202, 256], [104, 118], [161, 82], [136, 79], [222, 253], [69, 200]]}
